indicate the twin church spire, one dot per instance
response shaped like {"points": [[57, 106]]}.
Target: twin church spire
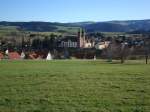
{"points": [[81, 38]]}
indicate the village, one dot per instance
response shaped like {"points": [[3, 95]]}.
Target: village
{"points": [[80, 46]]}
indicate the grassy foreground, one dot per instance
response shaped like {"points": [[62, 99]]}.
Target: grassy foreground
{"points": [[74, 86]]}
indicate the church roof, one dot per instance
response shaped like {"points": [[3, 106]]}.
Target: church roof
{"points": [[71, 37]]}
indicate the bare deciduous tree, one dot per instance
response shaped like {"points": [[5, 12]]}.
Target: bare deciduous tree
{"points": [[147, 48]]}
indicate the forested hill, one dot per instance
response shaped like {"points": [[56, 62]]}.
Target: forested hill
{"points": [[119, 26], [109, 26]]}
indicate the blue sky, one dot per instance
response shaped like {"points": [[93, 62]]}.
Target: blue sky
{"points": [[73, 10]]}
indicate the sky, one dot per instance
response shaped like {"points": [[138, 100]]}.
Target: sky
{"points": [[73, 10]]}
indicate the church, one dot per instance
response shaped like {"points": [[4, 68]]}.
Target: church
{"points": [[84, 40], [81, 40]]}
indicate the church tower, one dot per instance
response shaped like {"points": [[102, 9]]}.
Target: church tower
{"points": [[81, 38]]}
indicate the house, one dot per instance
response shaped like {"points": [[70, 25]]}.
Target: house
{"points": [[14, 55], [37, 55], [33, 55], [102, 45], [1, 55]]}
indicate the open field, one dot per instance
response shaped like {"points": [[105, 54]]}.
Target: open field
{"points": [[74, 86]]}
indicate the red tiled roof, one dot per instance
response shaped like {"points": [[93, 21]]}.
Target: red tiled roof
{"points": [[1, 55], [37, 55], [14, 55], [33, 56]]}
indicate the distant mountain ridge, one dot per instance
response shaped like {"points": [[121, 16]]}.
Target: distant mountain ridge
{"points": [[108, 26], [119, 26]]}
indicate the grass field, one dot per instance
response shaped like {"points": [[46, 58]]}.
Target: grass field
{"points": [[74, 86]]}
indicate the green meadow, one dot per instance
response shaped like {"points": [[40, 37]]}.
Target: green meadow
{"points": [[74, 86]]}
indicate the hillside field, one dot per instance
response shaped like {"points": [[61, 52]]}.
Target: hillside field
{"points": [[74, 86]]}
